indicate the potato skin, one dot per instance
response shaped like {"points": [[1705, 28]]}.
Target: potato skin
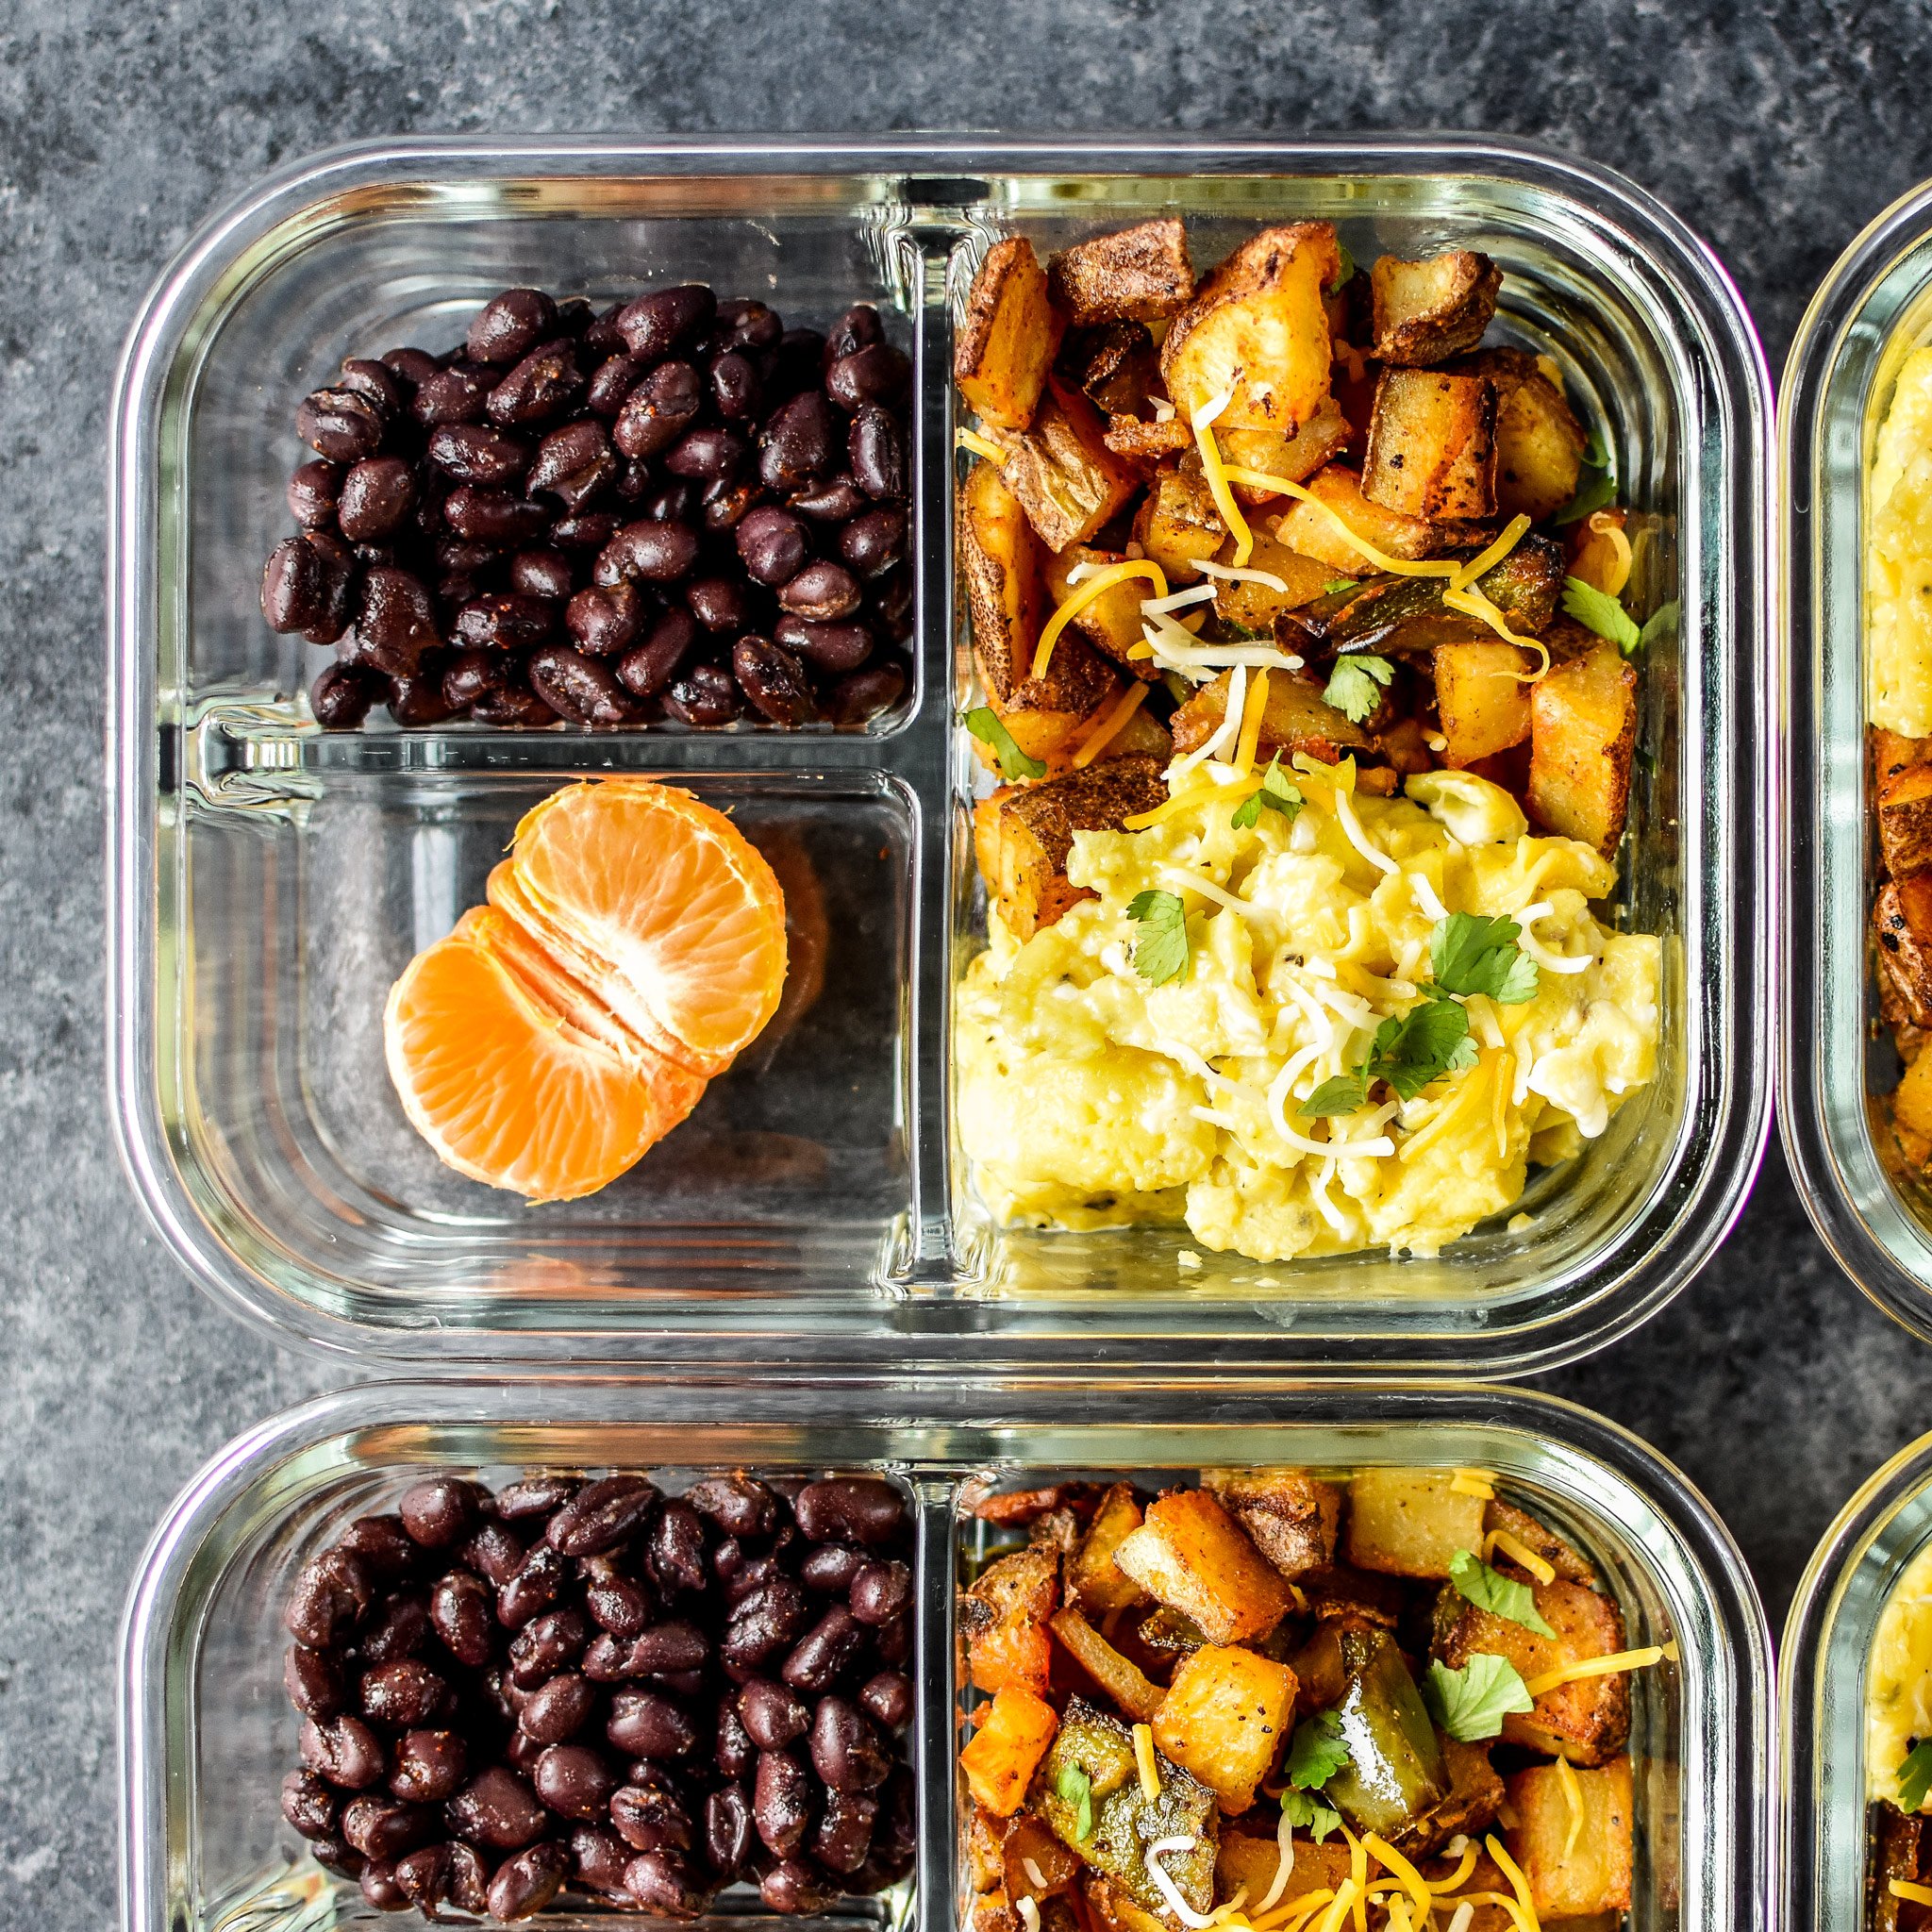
{"points": [[1009, 337], [1140, 274], [1426, 311]]}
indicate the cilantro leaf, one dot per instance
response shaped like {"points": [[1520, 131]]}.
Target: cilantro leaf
{"points": [[1076, 1789], [1595, 491], [1346, 1093], [1598, 611], [1277, 794], [1160, 951], [1302, 1810], [1317, 1753], [985, 724], [1472, 1703], [1424, 1043], [1596, 452], [1346, 272], [1489, 1590], [1334, 584], [1660, 622], [1915, 1777], [1472, 954], [1353, 684]]}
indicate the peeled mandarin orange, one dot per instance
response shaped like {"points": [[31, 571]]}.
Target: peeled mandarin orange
{"points": [[634, 943]]}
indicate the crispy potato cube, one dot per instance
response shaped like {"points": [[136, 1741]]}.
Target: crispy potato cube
{"points": [[1911, 1111], [1310, 528], [1483, 703], [1000, 1758], [1586, 1719], [1147, 446], [1008, 340], [1107, 1901], [1250, 1861], [1593, 1873], [1296, 457], [1291, 1515], [1425, 311], [1902, 924], [986, 1856], [1140, 274], [1255, 607], [999, 565], [1177, 525], [1475, 1796], [1540, 447], [1583, 735], [1432, 445], [1225, 1717], [1004, 1617], [1294, 718], [1095, 1580], [1259, 328], [1191, 1554], [1111, 623], [1030, 1847], [1125, 1682], [993, 1911], [1410, 1521], [1023, 834], [1537, 1536], [1905, 820], [1897, 1843], [1067, 480]]}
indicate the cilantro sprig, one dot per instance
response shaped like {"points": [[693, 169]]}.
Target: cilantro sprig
{"points": [[1472, 954], [1595, 491], [1316, 1753], [1311, 1815], [1915, 1777], [1345, 272], [1599, 612], [1355, 686], [1488, 1590], [1276, 794], [1160, 951], [1472, 1703], [984, 723]]}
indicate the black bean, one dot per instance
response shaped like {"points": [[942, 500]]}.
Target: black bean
{"points": [[674, 1551], [429, 1766], [747, 324], [800, 442], [892, 1642], [875, 374], [386, 1828], [405, 1692], [891, 603], [313, 493], [835, 648], [666, 1885], [729, 1834], [706, 453], [659, 409], [575, 1781], [857, 329], [738, 1504], [773, 1715], [294, 586], [720, 604], [375, 380], [558, 1709], [767, 1621], [417, 701], [831, 1567], [727, 502], [650, 1816], [541, 386], [414, 366], [540, 1585], [343, 425], [591, 531], [495, 516], [472, 675], [781, 1801], [889, 1698], [647, 552], [843, 1836], [733, 1750], [345, 1751], [851, 1508], [658, 322], [876, 452], [797, 1887], [655, 661], [517, 707], [399, 1627], [379, 1887], [572, 464], [547, 1644], [457, 394], [575, 317], [545, 574], [675, 501], [875, 541], [846, 1751], [331, 1597], [615, 377], [315, 1681], [772, 546], [396, 622], [498, 1810], [881, 1591], [376, 495], [578, 688], [425, 1877], [504, 621], [475, 453], [342, 695], [525, 1884], [821, 592], [601, 1514], [774, 681], [497, 1552], [521, 1752], [310, 1805], [836, 501], [598, 1857], [617, 1603], [605, 620], [736, 385], [512, 325], [646, 1724], [827, 1650], [382, 1543]]}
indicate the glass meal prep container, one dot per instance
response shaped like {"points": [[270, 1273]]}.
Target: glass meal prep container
{"points": [[1827, 1648], [206, 1731], [1836, 1060], [271, 880]]}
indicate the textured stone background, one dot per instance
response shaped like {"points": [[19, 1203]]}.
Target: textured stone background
{"points": [[1776, 130]]}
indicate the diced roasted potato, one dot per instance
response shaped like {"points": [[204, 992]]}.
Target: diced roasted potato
{"points": [[1426, 311], [1585, 1720], [1537, 1536], [1432, 445], [1294, 718], [1067, 480], [1255, 607], [1395, 1773], [1410, 1521], [1277, 453], [1897, 1849], [1018, 1507], [1901, 926], [1574, 1866], [1035, 1864], [993, 1911], [1125, 1682], [1092, 1760], [1475, 1796], [1355, 1596], [986, 1858], [1191, 1554], [1540, 447], [1225, 1717], [1023, 834], [1291, 1516], [1000, 1758], [1114, 366], [1140, 274], [999, 563], [1911, 1111], [1095, 1580], [1008, 340], [1905, 820], [1003, 1619], [1177, 525], [1583, 735], [1111, 623], [1258, 329], [1109, 1904], [1147, 445], [1482, 697], [1245, 1860], [1310, 527]]}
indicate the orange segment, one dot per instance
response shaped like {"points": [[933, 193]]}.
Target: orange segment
{"points": [[507, 1089], [670, 896]]}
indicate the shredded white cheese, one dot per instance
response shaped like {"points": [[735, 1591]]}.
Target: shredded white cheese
{"points": [[1195, 1921]]}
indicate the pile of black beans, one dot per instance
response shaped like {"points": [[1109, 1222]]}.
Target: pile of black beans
{"points": [[677, 508], [590, 1685]]}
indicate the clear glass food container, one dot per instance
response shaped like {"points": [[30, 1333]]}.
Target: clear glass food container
{"points": [[270, 880], [207, 1732], [1834, 1059], [1827, 1646]]}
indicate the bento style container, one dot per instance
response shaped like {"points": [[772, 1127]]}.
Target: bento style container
{"points": [[207, 1732], [1827, 1646], [1835, 1059], [271, 880]]}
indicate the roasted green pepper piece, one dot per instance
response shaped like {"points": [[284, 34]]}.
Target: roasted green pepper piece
{"points": [[1167, 1633], [1395, 1770], [1092, 1759]]}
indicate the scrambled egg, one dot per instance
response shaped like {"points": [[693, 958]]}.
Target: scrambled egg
{"points": [[1898, 559], [1090, 1097], [1898, 1692]]}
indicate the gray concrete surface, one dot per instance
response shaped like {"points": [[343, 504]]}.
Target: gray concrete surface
{"points": [[1775, 129]]}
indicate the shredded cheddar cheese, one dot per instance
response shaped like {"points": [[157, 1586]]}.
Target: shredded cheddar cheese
{"points": [[1915, 1894], [1518, 1883], [1250, 739], [1284, 1865], [1337, 1911], [1215, 473], [1594, 1667], [1092, 588], [1486, 560], [1145, 1764], [1411, 1879], [1296, 1912], [1358, 1878], [1164, 1880], [1393, 566], [1572, 1796], [1480, 1483], [1464, 1866], [1111, 727], [980, 445], [1519, 1553]]}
